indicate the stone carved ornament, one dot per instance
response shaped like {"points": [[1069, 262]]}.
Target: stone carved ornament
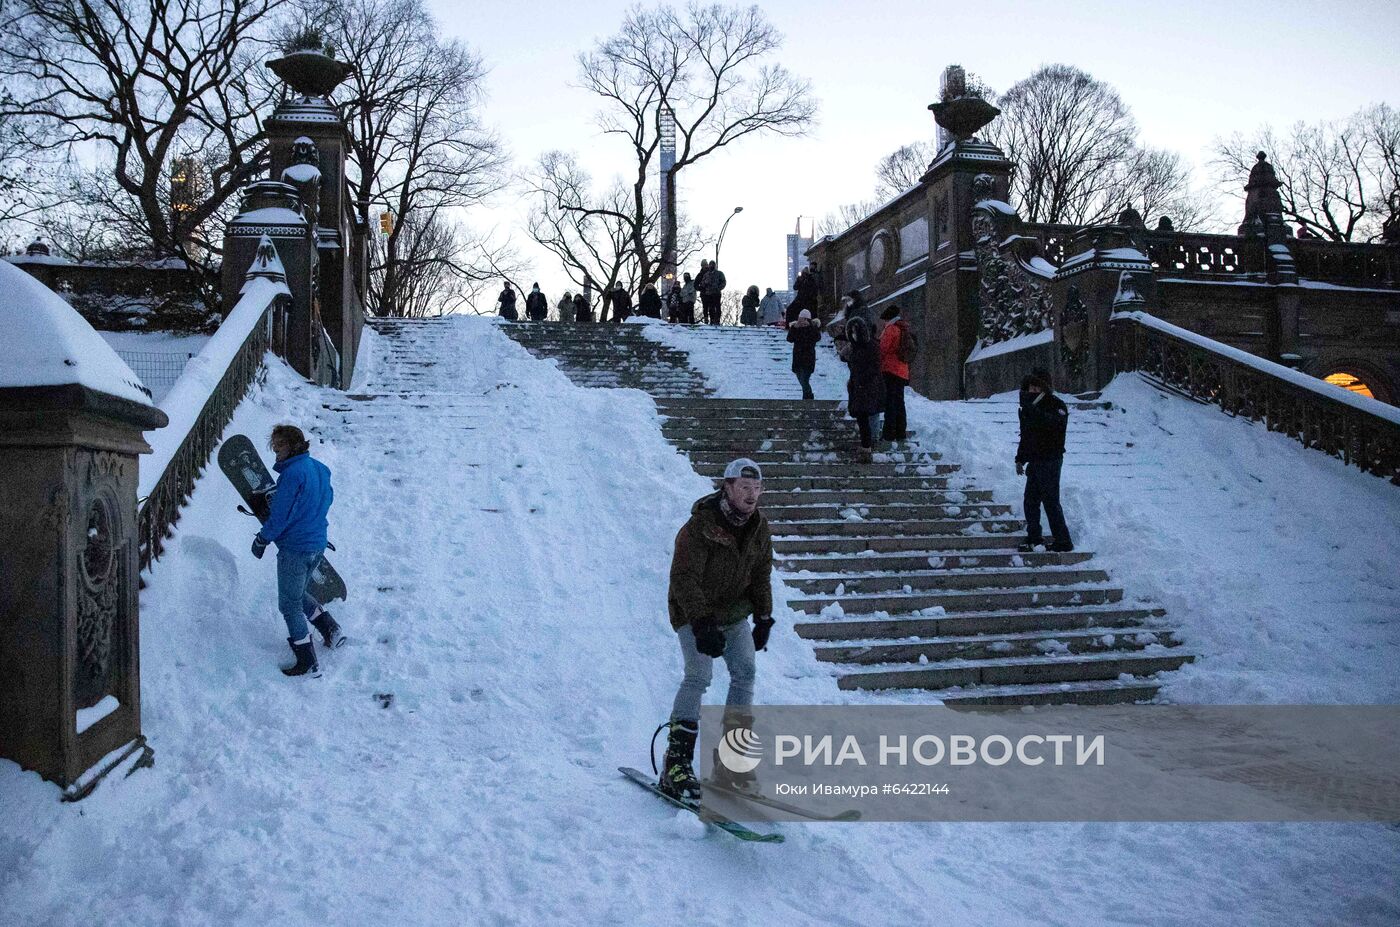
{"points": [[1013, 301], [99, 572]]}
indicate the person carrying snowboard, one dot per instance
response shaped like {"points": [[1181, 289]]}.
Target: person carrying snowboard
{"points": [[296, 523], [721, 574]]}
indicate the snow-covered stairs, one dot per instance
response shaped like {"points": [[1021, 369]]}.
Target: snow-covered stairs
{"points": [[610, 356], [908, 575], [905, 575]]}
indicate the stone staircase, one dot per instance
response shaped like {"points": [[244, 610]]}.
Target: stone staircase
{"points": [[611, 357], [907, 576]]}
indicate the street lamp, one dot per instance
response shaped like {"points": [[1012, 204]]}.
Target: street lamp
{"points": [[737, 210]]}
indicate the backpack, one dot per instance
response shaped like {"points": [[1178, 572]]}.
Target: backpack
{"points": [[908, 346]]}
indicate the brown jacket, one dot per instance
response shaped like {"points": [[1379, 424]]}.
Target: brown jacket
{"points": [[716, 577]]}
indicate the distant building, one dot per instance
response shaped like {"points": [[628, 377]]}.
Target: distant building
{"points": [[797, 245]]}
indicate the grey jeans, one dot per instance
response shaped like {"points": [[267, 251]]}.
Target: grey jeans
{"points": [[738, 657]]}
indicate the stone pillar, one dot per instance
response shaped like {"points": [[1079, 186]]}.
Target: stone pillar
{"points": [[71, 422], [307, 121], [273, 209]]}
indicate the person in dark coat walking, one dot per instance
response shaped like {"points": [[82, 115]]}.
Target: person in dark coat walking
{"points": [[1040, 456], [650, 304], [621, 302], [711, 284], [582, 311], [865, 390], [507, 300], [804, 333], [748, 307], [536, 306]]}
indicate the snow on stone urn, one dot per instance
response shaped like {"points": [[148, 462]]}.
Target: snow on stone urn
{"points": [[71, 421]]}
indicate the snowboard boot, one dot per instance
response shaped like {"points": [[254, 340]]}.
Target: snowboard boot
{"points": [[331, 636], [723, 776], [677, 775], [305, 653]]}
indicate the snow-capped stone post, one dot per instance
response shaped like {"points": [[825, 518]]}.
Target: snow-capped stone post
{"points": [[1263, 218], [310, 143], [272, 209], [71, 421]]}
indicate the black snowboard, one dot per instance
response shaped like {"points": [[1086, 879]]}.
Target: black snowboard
{"points": [[242, 464]]}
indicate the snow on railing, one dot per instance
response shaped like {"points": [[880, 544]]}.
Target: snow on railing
{"points": [[1357, 429], [200, 404]]}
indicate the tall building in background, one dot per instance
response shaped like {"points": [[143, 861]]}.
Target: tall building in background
{"points": [[797, 245], [666, 133]]}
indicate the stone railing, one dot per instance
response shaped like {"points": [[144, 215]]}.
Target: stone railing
{"points": [[1347, 264], [1353, 428], [1203, 257], [202, 402]]}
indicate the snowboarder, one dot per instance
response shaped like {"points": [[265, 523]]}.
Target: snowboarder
{"points": [[865, 390], [1040, 456], [297, 524], [536, 306], [507, 300], [898, 347], [720, 575], [748, 307], [804, 333]]}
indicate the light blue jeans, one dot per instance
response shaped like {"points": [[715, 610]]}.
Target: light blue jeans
{"points": [[738, 658], [294, 569]]}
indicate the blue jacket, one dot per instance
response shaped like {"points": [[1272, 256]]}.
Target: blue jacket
{"points": [[297, 520]]}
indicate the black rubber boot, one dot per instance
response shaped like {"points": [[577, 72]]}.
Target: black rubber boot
{"points": [[331, 635], [305, 653], [677, 773]]}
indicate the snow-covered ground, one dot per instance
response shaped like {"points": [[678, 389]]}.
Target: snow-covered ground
{"points": [[506, 551]]}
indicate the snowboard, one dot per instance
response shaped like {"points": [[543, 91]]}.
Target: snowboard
{"points": [[243, 466], [696, 808]]}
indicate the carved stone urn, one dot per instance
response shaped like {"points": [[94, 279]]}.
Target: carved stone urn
{"points": [[310, 73]]}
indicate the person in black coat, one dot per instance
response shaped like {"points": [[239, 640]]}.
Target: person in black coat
{"points": [[650, 304], [621, 302], [507, 300], [536, 306], [748, 307], [582, 311], [865, 390], [1040, 455], [804, 333]]}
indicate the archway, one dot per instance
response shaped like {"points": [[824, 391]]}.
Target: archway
{"points": [[1360, 379]]}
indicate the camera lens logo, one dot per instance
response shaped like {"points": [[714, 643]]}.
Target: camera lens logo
{"points": [[740, 750]]}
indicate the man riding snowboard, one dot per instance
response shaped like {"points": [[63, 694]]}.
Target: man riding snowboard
{"points": [[720, 575]]}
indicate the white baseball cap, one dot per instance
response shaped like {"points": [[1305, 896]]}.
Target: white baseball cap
{"points": [[743, 467]]}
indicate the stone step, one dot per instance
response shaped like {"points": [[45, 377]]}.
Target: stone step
{"points": [[844, 498], [859, 481], [923, 559], [781, 512], [839, 585], [748, 406], [1015, 671], [846, 458], [1090, 692], [832, 468], [988, 622], [982, 600], [997, 646], [886, 527]]}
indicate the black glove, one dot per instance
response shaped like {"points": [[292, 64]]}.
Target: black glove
{"points": [[259, 545], [709, 639], [1020, 468], [762, 627]]}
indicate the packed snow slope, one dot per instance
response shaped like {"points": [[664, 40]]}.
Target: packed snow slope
{"points": [[506, 549]]}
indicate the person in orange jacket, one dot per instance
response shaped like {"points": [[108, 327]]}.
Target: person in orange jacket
{"points": [[898, 346]]}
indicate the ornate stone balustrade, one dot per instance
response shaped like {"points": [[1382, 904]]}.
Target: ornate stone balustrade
{"points": [[1346, 263], [1352, 428]]}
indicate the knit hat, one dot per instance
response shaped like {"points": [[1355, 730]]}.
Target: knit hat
{"points": [[741, 468], [805, 314]]}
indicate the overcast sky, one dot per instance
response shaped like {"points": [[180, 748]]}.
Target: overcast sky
{"points": [[1191, 70]]}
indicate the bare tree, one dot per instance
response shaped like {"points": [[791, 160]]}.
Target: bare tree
{"points": [[902, 169], [419, 150], [843, 217], [712, 65], [1070, 137], [1340, 180], [147, 83]]}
